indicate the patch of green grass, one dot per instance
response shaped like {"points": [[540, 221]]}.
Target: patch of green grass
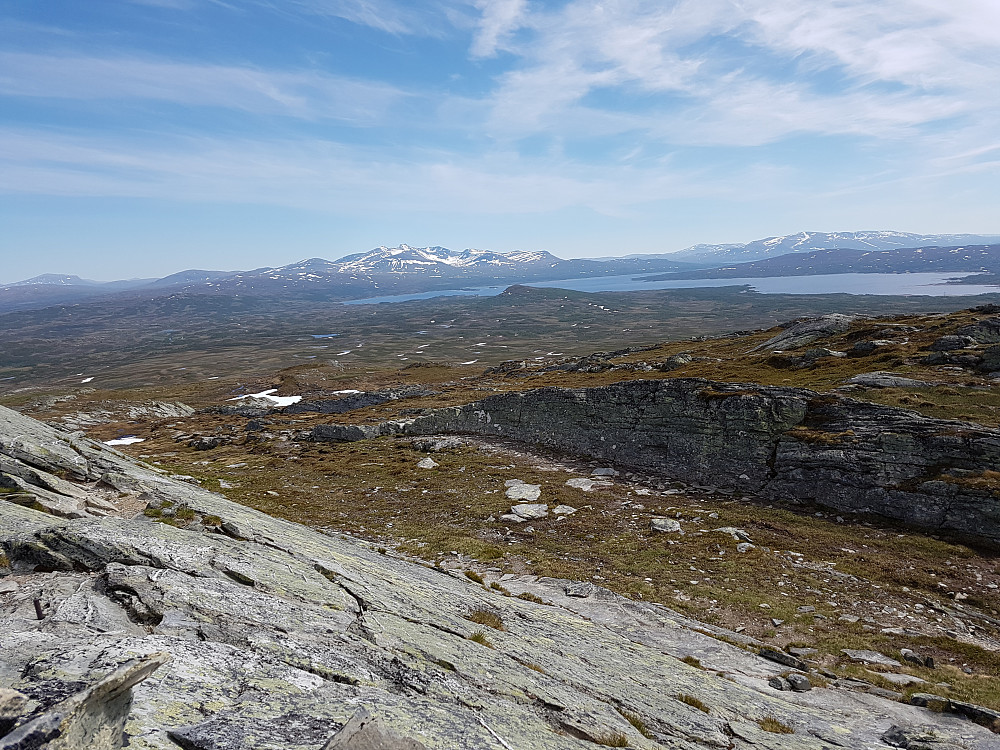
{"points": [[184, 513], [536, 668], [497, 587], [775, 726], [474, 576], [692, 701], [152, 512], [211, 520], [693, 661], [481, 638], [529, 597]]}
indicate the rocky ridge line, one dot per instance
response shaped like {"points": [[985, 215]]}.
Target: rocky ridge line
{"points": [[773, 442]]}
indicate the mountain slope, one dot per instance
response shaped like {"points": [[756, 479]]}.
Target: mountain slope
{"points": [[967, 258], [805, 242]]}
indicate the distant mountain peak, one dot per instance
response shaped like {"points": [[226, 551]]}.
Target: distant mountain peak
{"points": [[806, 241], [55, 279]]}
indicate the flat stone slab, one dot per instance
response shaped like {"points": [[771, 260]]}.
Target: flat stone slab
{"points": [[518, 490], [869, 657], [901, 679], [585, 484], [530, 511]]}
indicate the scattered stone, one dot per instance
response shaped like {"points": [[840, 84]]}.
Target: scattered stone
{"points": [[675, 361], [580, 590], [807, 331], [915, 738], [738, 535], [7, 587], [914, 658], [799, 683], [780, 657], [806, 608], [867, 347], [849, 618], [511, 518], [880, 379], [564, 510], [801, 652], [585, 484], [779, 683], [745, 547], [666, 525], [518, 490], [869, 657], [952, 342], [606, 472], [927, 700], [903, 680], [436, 445], [530, 511], [427, 463], [776, 622]]}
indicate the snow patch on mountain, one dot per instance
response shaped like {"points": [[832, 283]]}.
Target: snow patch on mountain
{"points": [[807, 242]]}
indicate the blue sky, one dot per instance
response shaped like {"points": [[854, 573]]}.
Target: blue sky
{"points": [[140, 137]]}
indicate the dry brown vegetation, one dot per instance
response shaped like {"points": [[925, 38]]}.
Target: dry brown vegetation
{"points": [[878, 576]]}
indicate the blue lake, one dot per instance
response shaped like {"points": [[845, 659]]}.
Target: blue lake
{"points": [[929, 284]]}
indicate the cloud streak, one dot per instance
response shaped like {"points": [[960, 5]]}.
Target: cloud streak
{"points": [[308, 95]]}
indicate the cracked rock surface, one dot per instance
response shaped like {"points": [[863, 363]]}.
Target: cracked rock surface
{"points": [[272, 635]]}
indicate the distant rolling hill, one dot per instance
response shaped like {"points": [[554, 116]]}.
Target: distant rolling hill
{"points": [[381, 271], [977, 259], [808, 242]]}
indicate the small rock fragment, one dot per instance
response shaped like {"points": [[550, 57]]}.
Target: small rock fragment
{"points": [[530, 511], [799, 682], [738, 534], [564, 510], [780, 657], [869, 657], [666, 525], [580, 589], [427, 463], [779, 683]]}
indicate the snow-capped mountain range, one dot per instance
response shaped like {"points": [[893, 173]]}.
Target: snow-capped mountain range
{"points": [[807, 242], [405, 269]]}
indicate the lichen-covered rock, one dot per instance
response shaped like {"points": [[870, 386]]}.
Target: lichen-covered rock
{"points": [[807, 332], [279, 636]]}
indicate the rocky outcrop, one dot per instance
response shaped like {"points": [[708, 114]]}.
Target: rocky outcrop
{"points": [[355, 401], [779, 443], [270, 635]]}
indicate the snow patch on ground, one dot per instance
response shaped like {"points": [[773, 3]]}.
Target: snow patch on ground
{"points": [[278, 400], [127, 440]]}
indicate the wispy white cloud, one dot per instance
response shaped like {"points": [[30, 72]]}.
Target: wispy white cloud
{"points": [[326, 176], [754, 71], [310, 95], [500, 18]]}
